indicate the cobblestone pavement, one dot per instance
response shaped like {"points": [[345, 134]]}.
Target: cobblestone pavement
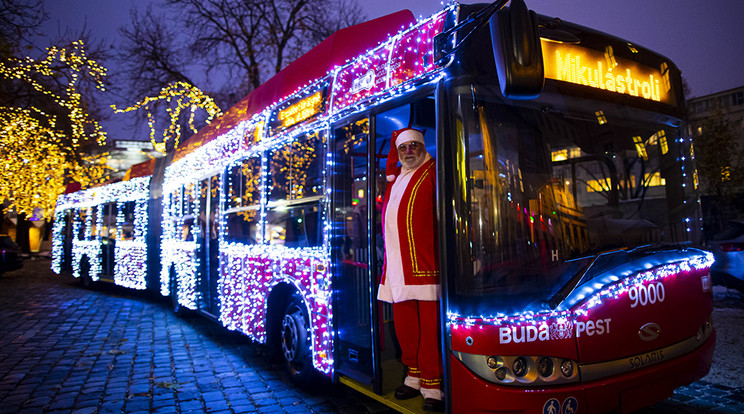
{"points": [[64, 349]]}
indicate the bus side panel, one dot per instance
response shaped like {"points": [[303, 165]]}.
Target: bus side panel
{"points": [[248, 275]]}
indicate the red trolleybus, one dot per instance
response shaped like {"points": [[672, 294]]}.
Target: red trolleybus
{"points": [[566, 205]]}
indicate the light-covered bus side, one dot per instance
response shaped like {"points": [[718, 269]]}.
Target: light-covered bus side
{"points": [[246, 219], [99, 233]]}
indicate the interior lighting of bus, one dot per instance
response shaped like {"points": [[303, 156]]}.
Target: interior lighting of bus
{"points": [[593, 294], [592, 68]]}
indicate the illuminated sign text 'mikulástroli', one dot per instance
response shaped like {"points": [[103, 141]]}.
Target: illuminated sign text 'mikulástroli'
{"points": [[592, 68]]}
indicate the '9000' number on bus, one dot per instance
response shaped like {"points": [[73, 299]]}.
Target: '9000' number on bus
{"points": [[646, 294]]}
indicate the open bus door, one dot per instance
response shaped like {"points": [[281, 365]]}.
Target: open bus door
{"points": [[351, 251], [367, 355]]}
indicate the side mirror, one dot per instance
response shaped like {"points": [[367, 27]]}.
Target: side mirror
{"points": [[517, 51]]}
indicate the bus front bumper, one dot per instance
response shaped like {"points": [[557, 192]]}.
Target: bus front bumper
{"points": [[621, 393]]}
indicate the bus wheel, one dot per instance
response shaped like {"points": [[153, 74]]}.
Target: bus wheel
{"points": [[85, 279], [295, 343]]}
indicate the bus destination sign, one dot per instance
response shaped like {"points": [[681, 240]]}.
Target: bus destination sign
{"points": [[595, 69], [298, 110]]}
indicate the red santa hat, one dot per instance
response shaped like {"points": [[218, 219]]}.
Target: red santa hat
{"points": [[400, 136]]}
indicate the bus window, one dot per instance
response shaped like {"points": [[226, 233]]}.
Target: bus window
{"points": [[80, 220], [108, 227], [296, 169], [295, 226], [547, 187], [295, 193], [242, 201], [189, 208], [127, 226], [95, 213]]}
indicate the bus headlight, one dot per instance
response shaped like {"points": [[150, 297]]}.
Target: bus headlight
{"points": [[521, 370], [519, 367], [567, 368], [545, 367]]}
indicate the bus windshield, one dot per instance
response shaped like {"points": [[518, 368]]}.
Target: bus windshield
{"points": [[547, 185]]}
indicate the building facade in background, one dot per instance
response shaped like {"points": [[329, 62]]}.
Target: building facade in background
{"points": [[730, 101], [728, 105]]}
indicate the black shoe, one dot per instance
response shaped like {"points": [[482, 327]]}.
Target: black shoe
{"points": [[430, 404], [404, 392]]}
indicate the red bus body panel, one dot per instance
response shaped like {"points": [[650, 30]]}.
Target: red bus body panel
{"points": [[623, 393], [684, 308], [634, 340]]}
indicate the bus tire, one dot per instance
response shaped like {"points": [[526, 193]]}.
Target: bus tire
{"points": [[85, 280], [295, 342]]}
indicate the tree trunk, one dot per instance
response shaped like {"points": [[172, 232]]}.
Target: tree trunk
{"points": [[22, 228]]}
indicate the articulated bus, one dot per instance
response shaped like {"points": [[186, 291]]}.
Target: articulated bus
{"points": [[566, 204]]}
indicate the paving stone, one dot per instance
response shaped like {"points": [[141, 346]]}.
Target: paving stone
{"points": [[64, 349], [191, 405]]}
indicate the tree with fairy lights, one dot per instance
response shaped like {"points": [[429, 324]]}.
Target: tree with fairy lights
{"points": [[181, 100], [46, 130]]}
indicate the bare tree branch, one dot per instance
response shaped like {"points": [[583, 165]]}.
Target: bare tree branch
{"points": [[151, 54], [18, 18]]}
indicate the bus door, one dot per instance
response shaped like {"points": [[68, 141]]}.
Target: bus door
{"points": [[208, 245], [108, 239], [66, 264], [367, 349], [352, 257]]}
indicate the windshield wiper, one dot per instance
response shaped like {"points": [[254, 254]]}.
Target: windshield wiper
{"points": [[566, 290], [569, 287]]}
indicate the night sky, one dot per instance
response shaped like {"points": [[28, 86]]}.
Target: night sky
{"points": [[704, 38]]}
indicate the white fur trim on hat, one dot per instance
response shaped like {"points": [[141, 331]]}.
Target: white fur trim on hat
{"points": [[409, 135]]}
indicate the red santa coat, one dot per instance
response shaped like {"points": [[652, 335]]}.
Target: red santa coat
{"points": [[411, 270]]}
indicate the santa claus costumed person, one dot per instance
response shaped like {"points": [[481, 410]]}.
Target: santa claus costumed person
{"points": [[410, 279]]}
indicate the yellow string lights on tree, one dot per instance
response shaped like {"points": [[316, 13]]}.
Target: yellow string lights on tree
{"points": [[75, 59], [39, 154], [180, 97]]}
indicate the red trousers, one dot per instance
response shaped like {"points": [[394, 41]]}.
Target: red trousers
{"points": [[417, 329]]}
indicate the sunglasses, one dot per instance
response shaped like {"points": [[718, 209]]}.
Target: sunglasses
{"points": [[414, 146]]}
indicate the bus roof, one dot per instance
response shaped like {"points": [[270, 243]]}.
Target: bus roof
{"points": [[142, 169], [334, 51]]}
